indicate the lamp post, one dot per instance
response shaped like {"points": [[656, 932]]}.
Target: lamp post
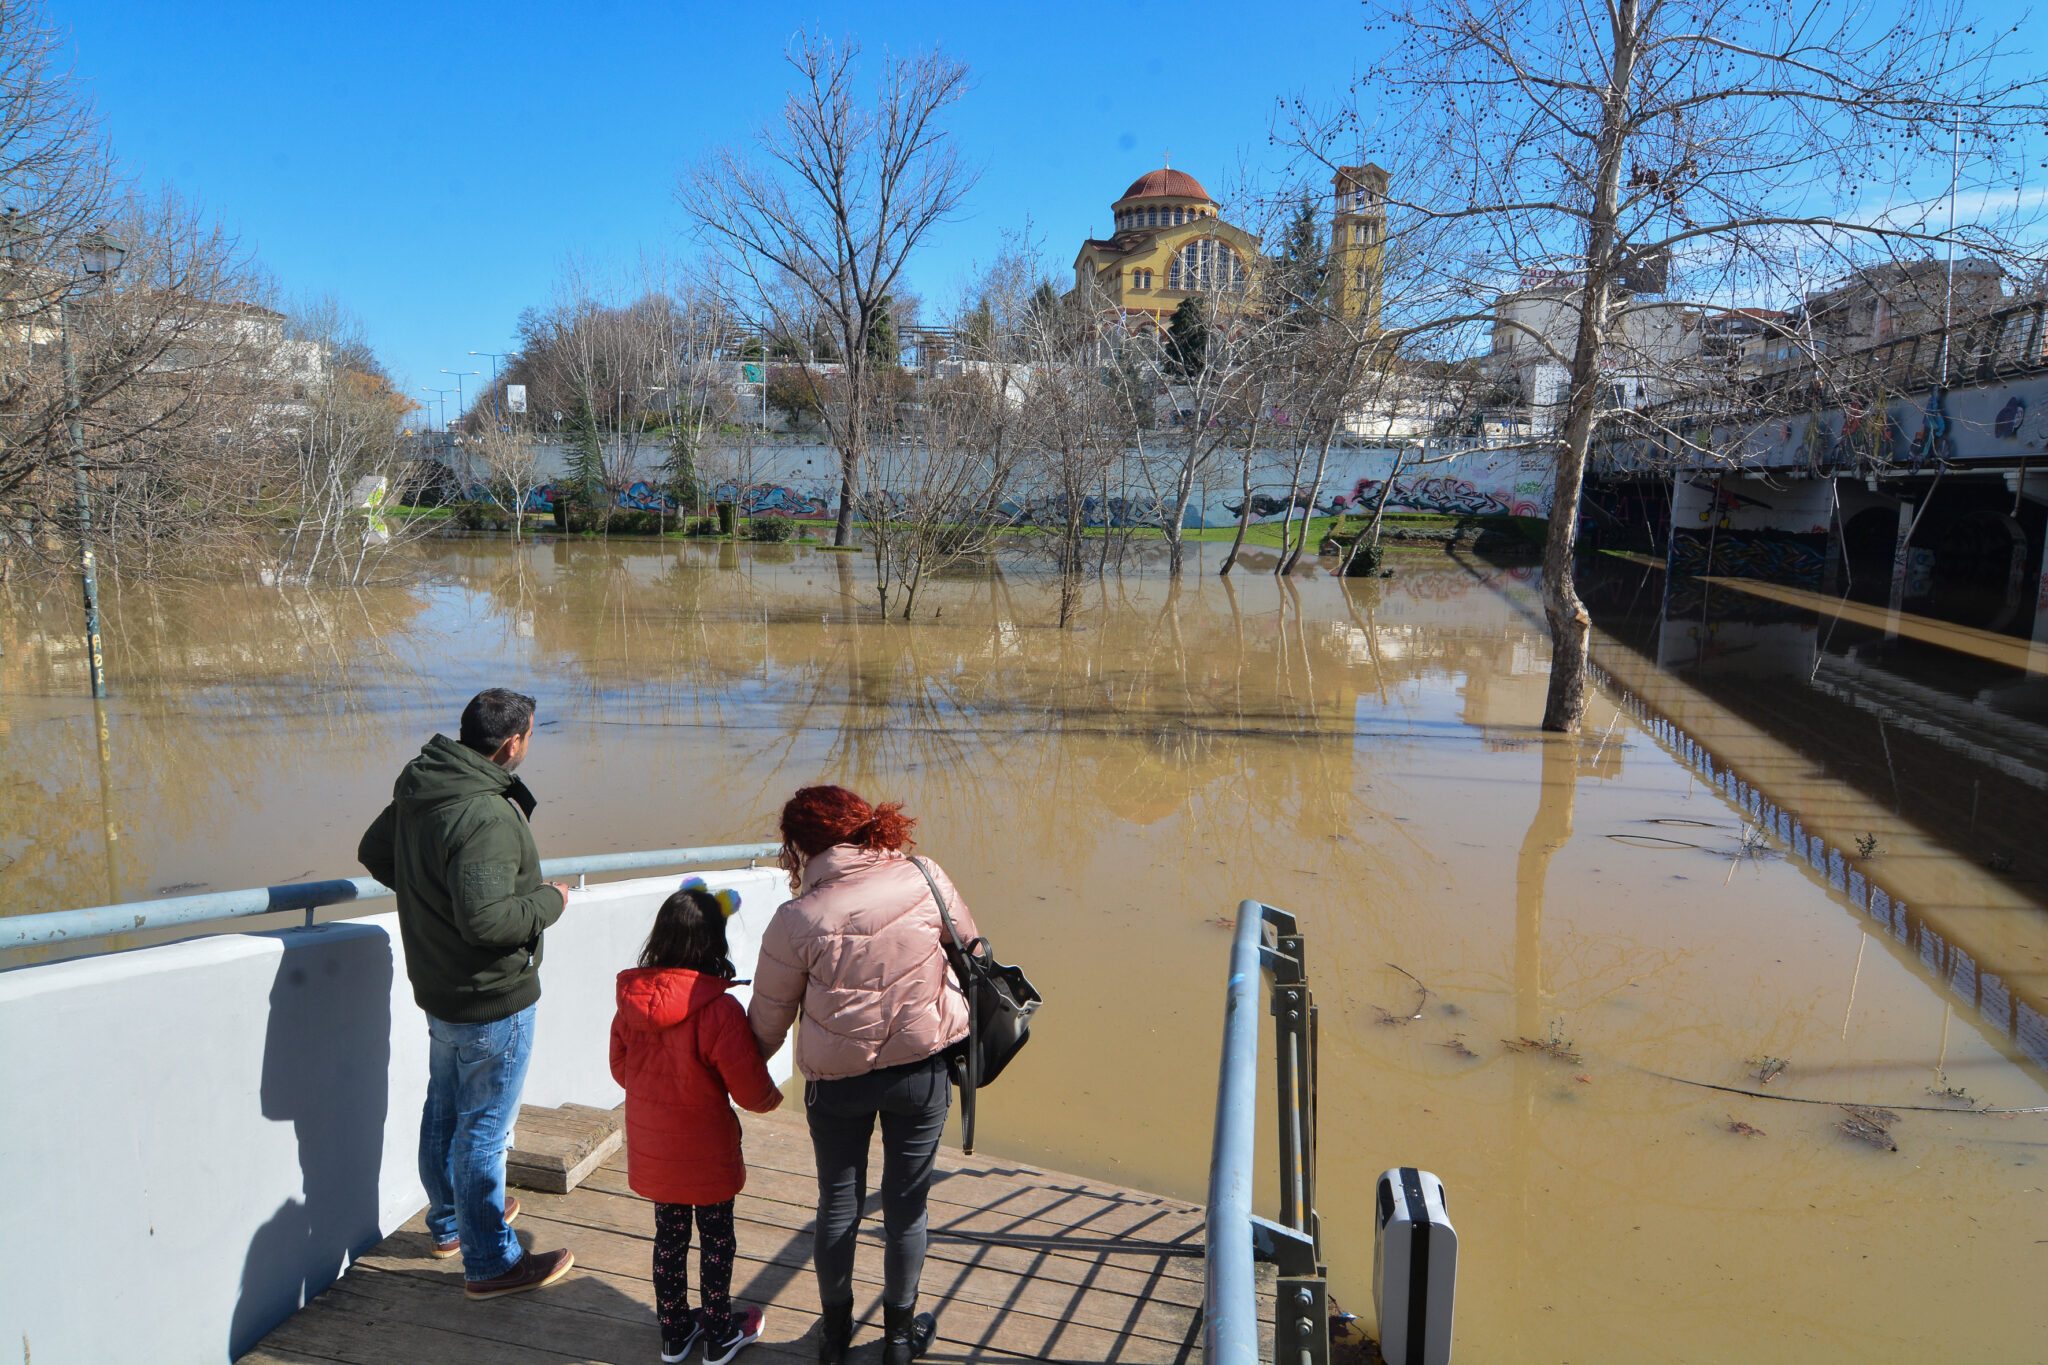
{"points": [[495, 356], [101, 256], [461, 405], [441, 397]]}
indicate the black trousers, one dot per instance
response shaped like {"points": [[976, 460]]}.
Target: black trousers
{"points": [[714, 1266], [911, 1101]]}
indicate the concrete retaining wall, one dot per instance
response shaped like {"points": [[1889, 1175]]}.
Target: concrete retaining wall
{"points": [[196, 1138]]}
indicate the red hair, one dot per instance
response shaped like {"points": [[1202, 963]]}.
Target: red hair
{"points": [[818, 818]]}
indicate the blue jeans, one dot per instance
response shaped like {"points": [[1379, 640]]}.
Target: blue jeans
{"points": [[474, 1075]]}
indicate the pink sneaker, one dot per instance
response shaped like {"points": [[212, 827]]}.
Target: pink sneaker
{"points": [[745, 1330]]}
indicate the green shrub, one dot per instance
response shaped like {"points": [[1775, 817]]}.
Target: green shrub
{"points": [[769, 530]]}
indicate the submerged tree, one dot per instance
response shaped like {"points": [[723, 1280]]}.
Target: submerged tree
{"points": [[1736, 142], [815, 224]]}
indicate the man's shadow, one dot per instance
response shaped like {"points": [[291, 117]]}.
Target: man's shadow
{"points": [[326, 1064]]}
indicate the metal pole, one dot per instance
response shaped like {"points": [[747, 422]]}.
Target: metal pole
{"points": [[88, 574], [1230, 1324]]}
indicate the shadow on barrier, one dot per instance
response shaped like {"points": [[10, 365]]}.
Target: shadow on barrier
{"points": [[326, 1064]]}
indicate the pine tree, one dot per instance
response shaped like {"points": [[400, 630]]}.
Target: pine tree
{"points": [[586, 454], [1187, 340], [882, 346], [1304, 267]]}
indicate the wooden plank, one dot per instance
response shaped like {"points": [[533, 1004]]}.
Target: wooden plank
{"points": [[1134, 1277], [790, 1297], [764, 1264], [1073, 1273], [554, 1149], [1176, 1279], [956, 1196], [784, 1143]]}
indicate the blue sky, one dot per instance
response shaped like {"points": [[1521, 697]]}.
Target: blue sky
{"points": [[433, 166]]}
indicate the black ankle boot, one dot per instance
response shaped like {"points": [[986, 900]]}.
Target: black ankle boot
{"points": [[835, 1333], [906, 1333]]}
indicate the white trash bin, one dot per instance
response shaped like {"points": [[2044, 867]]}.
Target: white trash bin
{"points": [[1414, 1268]]}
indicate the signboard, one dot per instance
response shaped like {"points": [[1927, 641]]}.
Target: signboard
{"points": [[515, 398]]}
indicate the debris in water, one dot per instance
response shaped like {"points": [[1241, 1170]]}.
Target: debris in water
{"points": [[1583, 1079], [1870, 1125], [1756, 842], [1450, 1010], [1768, 1069], [1421, 1000], [1652, 841], [1741, 1129], [1456, 1046], [1349, 1342], [1867, 846], [1556, 1046], [1956, 1093]]}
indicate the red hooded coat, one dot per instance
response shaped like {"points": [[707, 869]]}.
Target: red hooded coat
{"points": [[680, 1046]]}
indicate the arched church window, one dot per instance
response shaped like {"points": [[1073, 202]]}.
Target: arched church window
{"points": [[1204, 264]]}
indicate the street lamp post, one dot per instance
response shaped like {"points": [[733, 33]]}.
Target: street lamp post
{"points": [[101, 255], [441, 397], [495, 356], [461, 405]]}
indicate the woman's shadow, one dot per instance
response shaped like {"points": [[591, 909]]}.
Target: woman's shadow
{"points": [[326, 1067]]}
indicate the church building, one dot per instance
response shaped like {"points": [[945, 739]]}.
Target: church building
{"points": [[1168, 244]]}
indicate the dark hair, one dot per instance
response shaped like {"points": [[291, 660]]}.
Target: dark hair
{"points": [[493, 716], [689, 932], [816, 818]]}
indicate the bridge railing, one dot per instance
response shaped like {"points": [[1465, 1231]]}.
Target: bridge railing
{"points": [[1267, 942], [216, 911]]}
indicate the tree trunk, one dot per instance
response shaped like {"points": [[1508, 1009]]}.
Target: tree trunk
{"points": [[849, 466], [1571, 628], [1244, 515], [1315, 490]]}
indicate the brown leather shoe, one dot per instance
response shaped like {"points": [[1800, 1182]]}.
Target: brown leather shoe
{"points": [[451, 1247], [536, 1270]]}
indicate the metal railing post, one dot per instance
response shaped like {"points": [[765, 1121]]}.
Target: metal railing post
{"points": [[1301, 1328]]}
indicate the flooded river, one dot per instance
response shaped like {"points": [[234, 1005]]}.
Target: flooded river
{"points": [[1685, 891]]}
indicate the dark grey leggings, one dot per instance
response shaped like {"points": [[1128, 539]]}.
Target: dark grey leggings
{"points": [[912, 1100]]}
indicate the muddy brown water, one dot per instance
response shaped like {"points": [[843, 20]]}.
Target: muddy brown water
{"points": [[1365, 754]]}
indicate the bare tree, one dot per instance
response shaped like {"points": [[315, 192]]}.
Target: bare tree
{"points": [[512, 472], [1587, 140], [173, 385], [339, 458], [814, 224]]}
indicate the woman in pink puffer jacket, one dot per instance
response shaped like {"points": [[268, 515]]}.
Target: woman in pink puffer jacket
{"points": [[862, 951]]}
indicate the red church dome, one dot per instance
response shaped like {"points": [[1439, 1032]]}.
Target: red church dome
{"points": [[1166, 183]]}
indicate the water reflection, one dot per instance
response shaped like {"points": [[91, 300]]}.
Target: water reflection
{"points": [[1364, 752]]}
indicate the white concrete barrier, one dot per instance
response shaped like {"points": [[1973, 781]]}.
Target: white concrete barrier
{"points": [[195, 1139]]}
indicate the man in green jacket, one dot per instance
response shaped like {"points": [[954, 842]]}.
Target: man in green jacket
{"points": [[455, 845]]}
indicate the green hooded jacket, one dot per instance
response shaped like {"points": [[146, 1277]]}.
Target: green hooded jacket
{"points": [[454, 844]]}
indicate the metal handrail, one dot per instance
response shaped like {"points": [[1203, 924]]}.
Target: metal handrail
{"points": [[1266, 940], [76, 926]]}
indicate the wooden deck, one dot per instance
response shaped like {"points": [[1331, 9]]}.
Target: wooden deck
{"points": [[1025, 1265]]}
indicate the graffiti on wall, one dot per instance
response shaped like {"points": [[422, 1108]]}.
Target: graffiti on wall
{"points": [[1443, 495], [773, 500], [1785, 557]]}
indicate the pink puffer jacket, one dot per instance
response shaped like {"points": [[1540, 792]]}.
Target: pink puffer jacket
{"points": [[859, 949]]}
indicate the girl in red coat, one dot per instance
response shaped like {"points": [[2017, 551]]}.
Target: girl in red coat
{"points": [[680, 1047]]}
